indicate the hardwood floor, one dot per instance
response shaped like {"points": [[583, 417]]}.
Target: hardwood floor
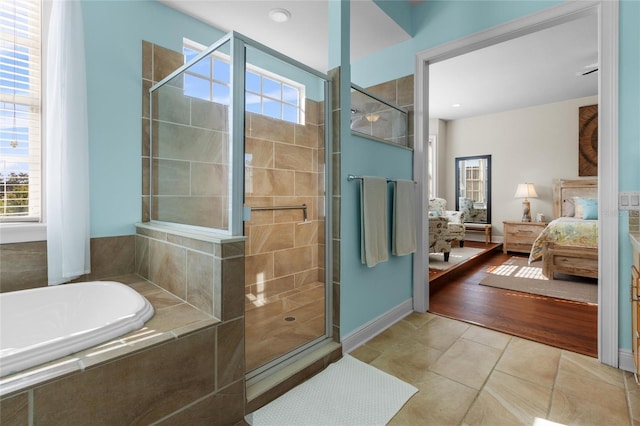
{"points": [[560, 323]]}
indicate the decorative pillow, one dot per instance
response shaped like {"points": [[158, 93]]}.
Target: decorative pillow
{"points": [[433, 213], [569, 207], [590, 210], [582, 203]]}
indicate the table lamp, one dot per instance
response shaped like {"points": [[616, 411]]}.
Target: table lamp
{"points": [[526, 190]]}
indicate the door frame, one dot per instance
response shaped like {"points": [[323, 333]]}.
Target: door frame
{"points": [[608, 24]]}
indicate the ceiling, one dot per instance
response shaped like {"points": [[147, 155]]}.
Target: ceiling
{"points": [[535, 69], [304, 36]]}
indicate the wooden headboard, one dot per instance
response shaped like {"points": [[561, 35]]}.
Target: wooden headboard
{"points": [[564, 190]]}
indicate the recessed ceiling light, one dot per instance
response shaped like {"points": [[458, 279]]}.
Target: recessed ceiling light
{"points": [[456, 105], [279, 15]]}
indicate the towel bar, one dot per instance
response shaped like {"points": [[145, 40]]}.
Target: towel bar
{"points": [[354, 177], [302, 207]]}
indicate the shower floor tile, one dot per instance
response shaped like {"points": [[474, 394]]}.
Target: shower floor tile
{"points": [[278, 327]]}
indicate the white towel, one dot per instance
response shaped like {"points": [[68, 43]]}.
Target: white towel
{"points": [[404, 218], [373, 222]]}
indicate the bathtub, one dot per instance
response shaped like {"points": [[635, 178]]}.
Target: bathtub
{"points": [[42, 324]]}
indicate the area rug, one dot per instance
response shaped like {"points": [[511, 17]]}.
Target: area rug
{"points": [[457, 255], [347, 392], [516, 274]]}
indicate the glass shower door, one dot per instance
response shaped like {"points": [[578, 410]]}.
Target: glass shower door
{"points": [[285, 290]]}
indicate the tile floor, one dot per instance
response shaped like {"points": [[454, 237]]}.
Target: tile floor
{"points": [[468, 375]]}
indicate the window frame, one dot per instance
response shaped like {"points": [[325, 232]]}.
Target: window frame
{"points": [[300, 107], [32, 227]]}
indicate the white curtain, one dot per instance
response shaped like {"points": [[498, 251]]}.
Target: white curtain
{"points": [[66, 145]]}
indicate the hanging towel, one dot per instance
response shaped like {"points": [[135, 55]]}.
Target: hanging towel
{"points": [[373, 222], [404, 218]]}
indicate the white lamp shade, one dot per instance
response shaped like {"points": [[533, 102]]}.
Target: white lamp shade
{"points": [[526, 190]]}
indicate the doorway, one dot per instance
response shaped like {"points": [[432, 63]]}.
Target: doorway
{"points": [[607, 13]]}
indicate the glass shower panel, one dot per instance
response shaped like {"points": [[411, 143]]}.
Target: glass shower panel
{"points": [[190, 170], [285, 290]]}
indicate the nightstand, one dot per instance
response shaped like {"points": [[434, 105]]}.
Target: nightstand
{"points": [[519, 236]]}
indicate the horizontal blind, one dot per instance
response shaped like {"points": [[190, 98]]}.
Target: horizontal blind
{"points": [[20, 110]]}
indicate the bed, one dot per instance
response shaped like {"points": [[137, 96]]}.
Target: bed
{"points": [[569, 244]]}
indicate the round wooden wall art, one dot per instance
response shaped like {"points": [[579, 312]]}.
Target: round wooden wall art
{"points": [[588, 141]]}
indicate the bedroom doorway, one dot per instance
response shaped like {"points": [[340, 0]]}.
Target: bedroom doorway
{"points": [[607, 15]]}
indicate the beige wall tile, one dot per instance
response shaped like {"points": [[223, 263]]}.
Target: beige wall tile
{"points": [[233, 286], [264, 182], [405, 91], [112, 256], [260, 152], [209, 179], [146, 174], [313, 111], [147, 60], [189, 143], [23, 266], [225, 407], [307, 277], [306, 183], [386, 90], [293, 157], [307, 135], [142, 256], [268, 128], [232, 249], [266, 238], [269, 290], [210, 212], [306, 234], [170, 105], [146, 105], [15, 410], [293, 260], [150, 384], [209, 115], [200, 281], [167, 267], [258, 268], [165, 61], [171, 177], [230, 360], [192, 243]]}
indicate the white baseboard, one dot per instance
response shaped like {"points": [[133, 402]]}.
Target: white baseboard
{"points": [[625, 360], [376, 326]]}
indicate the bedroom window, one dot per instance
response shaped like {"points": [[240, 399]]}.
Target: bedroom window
{"points": [[267, 93], [20, 109]]}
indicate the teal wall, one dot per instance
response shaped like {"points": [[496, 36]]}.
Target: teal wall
{"points": [[629, 148], [114, 31], [437, 22], [366, 293]]}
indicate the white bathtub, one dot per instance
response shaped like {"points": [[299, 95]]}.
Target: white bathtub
{"points": [[42, 324]]}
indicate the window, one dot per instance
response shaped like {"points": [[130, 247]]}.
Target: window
{"points": [[266, 93], [20, 152]]}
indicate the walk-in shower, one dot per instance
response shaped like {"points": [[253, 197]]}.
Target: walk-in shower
{"points": [[239, 147]]}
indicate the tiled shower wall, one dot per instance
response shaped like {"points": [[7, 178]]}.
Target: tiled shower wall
{"points": [[284, 167]]}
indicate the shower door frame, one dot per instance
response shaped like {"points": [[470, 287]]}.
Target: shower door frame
{"points": [[239, 42]]}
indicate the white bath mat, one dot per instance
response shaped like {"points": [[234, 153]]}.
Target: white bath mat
{"points": [[347, 392]]}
